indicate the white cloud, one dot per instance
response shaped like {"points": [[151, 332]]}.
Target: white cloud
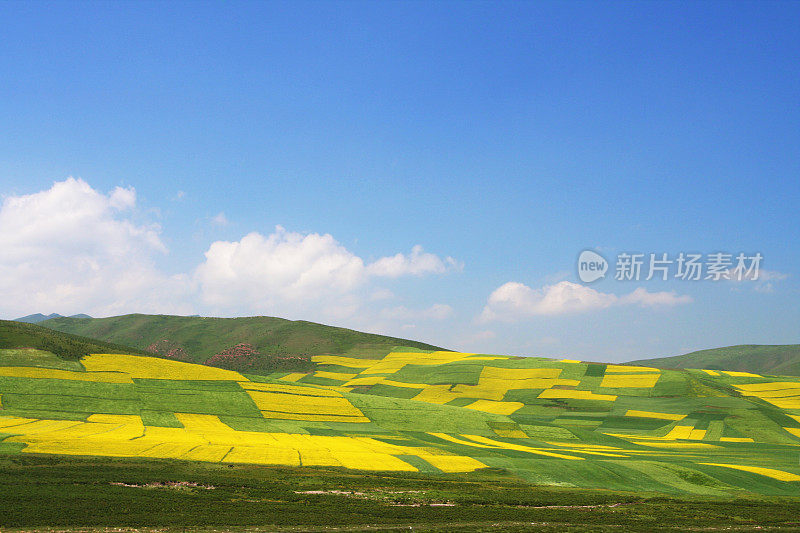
{"points": [[381, 294], [72, 249], [260, 272], [482, 335], [764, 282], [122, 199], [417, 263], [514, 301], [294, 273], [434, 312], [653, 299], [220, 219]]}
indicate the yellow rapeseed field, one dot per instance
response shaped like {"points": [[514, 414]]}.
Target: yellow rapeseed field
{"points": [[576, 394], [338, 360], [303, 403], [154, 368], [293, 376], [630, 380], [499, 408], [397, 360], [478, 441], [782, 394], [340, 376], [518, 447], [35, 372], [780, 475], [206, 438], [628, 369]]}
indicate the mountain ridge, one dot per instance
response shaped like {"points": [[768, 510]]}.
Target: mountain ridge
{"points": [[35, 318], [252, 344], [774, 359]]}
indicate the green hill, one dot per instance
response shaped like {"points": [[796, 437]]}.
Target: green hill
{"points": [[252, 344], [23, 335], [761, 359]]}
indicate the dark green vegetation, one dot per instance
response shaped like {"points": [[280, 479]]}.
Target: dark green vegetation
{"points": [[251, 344], [71, 493], [22, 335], [783, 360]]}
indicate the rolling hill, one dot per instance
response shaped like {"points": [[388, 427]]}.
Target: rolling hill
{"points": [[252, 344], [761, 359], [24, 336], [551, 423]]}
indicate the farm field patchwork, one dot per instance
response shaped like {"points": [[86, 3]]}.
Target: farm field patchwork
{"points": [[550, 423]]}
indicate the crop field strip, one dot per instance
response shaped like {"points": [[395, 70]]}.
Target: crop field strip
{"points": [[532, 416]]}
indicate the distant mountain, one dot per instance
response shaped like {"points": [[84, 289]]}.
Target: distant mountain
{"points": [[251, 344], [39, 317], [761, 359], [15, 334]]}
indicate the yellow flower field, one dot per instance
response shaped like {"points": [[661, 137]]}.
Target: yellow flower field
{"points": [[630, 380], [154, 368], [50, 373], [206, 438], [576, 394], [780, 475]]}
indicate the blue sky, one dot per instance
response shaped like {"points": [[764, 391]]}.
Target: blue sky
{"points": [[507, 137]]}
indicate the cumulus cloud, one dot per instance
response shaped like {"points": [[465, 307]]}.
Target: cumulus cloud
{"points": [[514, 301], [293, 272], [259, 272], [417, 263], [73, 249]]}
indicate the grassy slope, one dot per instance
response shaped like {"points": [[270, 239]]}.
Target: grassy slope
{"points": [[762, 359], [199, 338], [22, 335], [132, 493]]}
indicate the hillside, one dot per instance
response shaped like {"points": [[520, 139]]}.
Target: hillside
{"points": [[550, 423], [761, 359], [66, 346], [252, 344]]}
